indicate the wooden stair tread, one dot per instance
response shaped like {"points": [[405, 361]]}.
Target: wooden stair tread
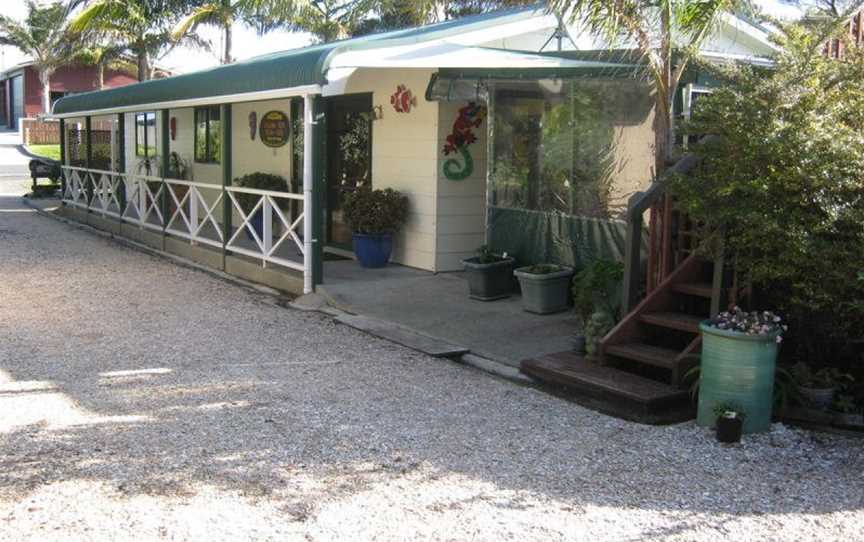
{"points": [[673, 320], [652, 355], [699, 289], [574, 372]]}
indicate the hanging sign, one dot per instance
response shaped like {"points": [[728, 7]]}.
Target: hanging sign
{"points": [[274, 129]]}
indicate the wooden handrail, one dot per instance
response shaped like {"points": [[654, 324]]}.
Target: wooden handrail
{"points": [[637, 205]]}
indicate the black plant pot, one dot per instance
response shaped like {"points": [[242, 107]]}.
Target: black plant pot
{"points": [[489, 281], [729, 429]]}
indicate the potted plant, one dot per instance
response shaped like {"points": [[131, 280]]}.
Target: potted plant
{"points": [[739, 356], [374, 216], [259, 181], [490, 275], [544, 287], [817, 388], [596, 289], [730, 423]]}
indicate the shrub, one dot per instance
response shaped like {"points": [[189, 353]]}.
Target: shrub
{"points": [[370, 211], [781, 188], [260, 181], [597, 288]]}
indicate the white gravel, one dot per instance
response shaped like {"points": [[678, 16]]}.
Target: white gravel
{"points": [[142, 399]]}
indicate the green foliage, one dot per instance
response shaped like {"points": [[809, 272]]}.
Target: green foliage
{"points": [[724, 409], [260, 181], [141, 27], [485, 255], [542, 269], [826, 377], [781, 187], [375, 211], [597, 288]]}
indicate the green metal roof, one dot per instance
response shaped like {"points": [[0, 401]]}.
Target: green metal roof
{"points": [[285, 69]]}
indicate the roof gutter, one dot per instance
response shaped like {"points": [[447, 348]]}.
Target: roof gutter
{"points": [[272, 94]]}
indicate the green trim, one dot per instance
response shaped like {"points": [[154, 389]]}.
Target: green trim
{"points": [[165, 151], [121, 158], [63, 143], [227, 208]]}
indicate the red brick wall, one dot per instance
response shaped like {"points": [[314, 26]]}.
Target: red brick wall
{"points": [[68, 79]]}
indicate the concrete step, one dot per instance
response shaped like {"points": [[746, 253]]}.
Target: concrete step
{"points": [[403, 335]]}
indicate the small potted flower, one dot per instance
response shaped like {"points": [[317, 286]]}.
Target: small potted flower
{"points": [[730, 423], [490, 275], [818, 388], [544, 287], [739, 356]]}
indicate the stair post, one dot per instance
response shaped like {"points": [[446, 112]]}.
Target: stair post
{"points": [[632, 255]]}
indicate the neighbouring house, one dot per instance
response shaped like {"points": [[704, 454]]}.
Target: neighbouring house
{"points": [[508, 129], [21, 92]]}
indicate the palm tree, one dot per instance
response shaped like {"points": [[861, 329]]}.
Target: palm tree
{"points": [[102, 55], [223, 14], [42, 36], [140, 26], [667, 33]]}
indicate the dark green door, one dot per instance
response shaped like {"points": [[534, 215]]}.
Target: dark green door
{"points": [[349, 158]]}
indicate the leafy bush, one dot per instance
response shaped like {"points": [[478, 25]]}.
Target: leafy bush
{"points": [[781, 187], [375, 211], [260, 181], [485, 255], [597, 288]]}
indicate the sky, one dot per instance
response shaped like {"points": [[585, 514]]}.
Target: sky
{"points": [[245, 44]]}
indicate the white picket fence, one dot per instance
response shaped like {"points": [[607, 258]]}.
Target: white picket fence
{"points": [[194, 211]]}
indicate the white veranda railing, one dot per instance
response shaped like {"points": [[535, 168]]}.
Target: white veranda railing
{"points": [[196, 212]]}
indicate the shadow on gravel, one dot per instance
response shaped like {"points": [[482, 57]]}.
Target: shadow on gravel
{"points": [[121, 369]]}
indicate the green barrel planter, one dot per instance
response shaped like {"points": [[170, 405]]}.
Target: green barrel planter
{"points": [[737, 369]]}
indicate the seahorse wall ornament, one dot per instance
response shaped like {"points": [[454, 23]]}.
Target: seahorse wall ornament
{"points": [[471, 116]]}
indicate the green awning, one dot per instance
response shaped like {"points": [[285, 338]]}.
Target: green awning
{"points": [[282, 70]]}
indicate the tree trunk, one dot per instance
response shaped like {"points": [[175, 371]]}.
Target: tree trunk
{"points": [[226, 57], [663, 98], [100, 74], [143, 65], [45, 79]]}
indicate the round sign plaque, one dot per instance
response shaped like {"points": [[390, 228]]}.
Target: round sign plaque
{"points": [[274, 129]]}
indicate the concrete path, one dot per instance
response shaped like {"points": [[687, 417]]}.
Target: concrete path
{"points": [[142, 401], [13, 164]]}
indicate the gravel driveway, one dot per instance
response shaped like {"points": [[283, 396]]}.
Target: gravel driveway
{"points": [[142, 399]]}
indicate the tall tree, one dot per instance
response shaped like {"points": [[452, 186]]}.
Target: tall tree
{"points": [[142, 27], [102, 55], [667, 33], [42, 36], [225, 13]]}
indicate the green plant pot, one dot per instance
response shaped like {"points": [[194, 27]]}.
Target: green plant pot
{"points": [[489, 281], [737, 369], [546, 293]]}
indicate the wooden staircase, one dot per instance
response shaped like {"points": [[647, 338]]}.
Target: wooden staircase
{"points": [[641, 363]]}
